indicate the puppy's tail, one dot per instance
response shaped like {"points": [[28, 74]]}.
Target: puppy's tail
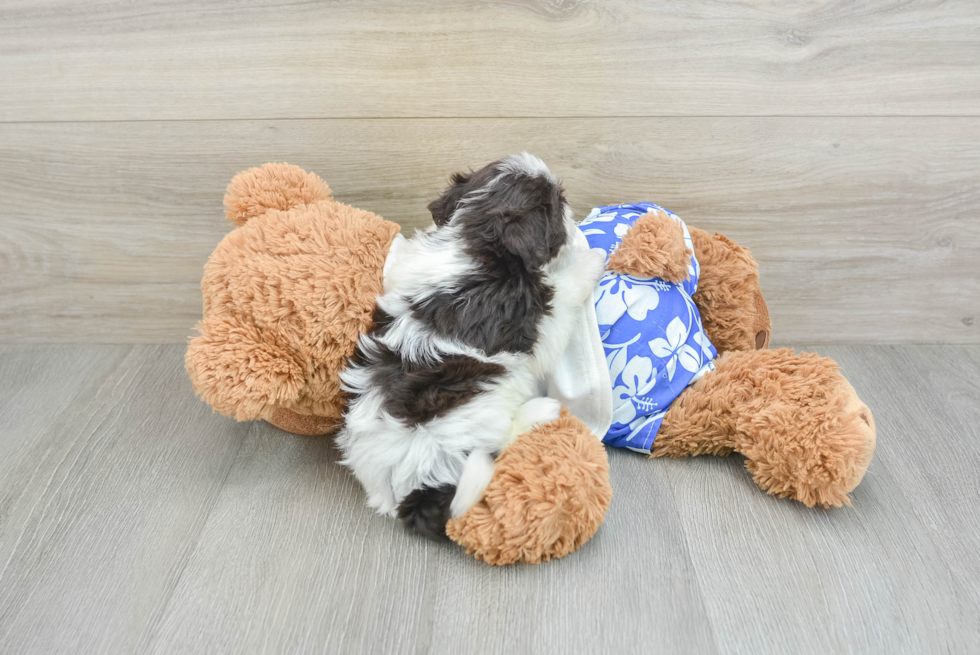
{"points": [[427, 510]]}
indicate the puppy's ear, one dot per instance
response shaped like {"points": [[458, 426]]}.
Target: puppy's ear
{"points": [[442, 208], [534, 235]]}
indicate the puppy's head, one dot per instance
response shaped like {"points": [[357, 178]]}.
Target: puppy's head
{"points": [[511, 209]]}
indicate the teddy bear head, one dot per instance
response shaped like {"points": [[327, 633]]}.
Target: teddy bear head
{"points": [[286, 295]]}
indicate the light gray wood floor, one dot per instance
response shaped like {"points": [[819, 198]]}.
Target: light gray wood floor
{"points": [[132, 519]]}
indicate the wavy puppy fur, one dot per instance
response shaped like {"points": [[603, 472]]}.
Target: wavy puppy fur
{"points": [[475, 309]]}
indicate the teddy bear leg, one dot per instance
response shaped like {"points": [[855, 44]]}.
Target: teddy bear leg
{"points": [[548, 495], [803, 430], [729, 298]]}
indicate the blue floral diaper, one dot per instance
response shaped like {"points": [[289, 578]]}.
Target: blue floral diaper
{"points": [[651, 332]]}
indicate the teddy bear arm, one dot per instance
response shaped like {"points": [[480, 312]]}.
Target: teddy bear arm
{"points": [[802, 428], [653, 247], [548, 495], [729, 298]]}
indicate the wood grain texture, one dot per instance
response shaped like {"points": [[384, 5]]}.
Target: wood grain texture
{"points": [[135, 521], [853, 580], [936, 470], [866, 230], [108, 468], [293, 562], [165, 59]]}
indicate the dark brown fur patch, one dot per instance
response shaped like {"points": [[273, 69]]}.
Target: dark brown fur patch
{"points": [[511, 229], [417, 393], [497, 316], [426, 511]]}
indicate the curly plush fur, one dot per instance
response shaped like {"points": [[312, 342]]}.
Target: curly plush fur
{"points": [[653, 247], [732, 308], [273, 186], [548, 496], [733, 313], [286, 296], [801, 427], [803, 430]]}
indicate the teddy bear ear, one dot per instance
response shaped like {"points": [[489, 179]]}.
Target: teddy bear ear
{"points": [[273, 186], [240, 373]]}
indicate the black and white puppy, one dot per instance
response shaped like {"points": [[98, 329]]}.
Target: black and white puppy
{"points": [[475, 312]]}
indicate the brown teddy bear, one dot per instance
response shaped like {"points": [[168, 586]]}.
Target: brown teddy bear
{"points": [[288, 292]]}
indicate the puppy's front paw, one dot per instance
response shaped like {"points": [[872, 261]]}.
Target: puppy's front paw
{"points": [[588, 268], [595, 265], [536, 411]]}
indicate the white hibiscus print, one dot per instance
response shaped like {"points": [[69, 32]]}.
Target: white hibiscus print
{"points": [[676, 349], [702, 340], [639, 376], [619, 294], [595, 216]]}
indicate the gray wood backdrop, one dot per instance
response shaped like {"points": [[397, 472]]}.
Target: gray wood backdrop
{"points": [[837, 139]]}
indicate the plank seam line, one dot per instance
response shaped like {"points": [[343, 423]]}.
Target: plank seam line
{"points": [[460, 118], [153, 625]]}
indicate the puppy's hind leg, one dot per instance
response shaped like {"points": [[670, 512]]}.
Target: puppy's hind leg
{"points": [[426, 510], [536, 411]]}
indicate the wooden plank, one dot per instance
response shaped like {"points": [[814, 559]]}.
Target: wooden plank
{"points": [[881, 577], [292, 560], [865, 228], [164, 59], [133, 520], [926, 403], [109, 469]]}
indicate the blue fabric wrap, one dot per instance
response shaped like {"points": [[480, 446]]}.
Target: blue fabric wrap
{"points": [[651, 332]]}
